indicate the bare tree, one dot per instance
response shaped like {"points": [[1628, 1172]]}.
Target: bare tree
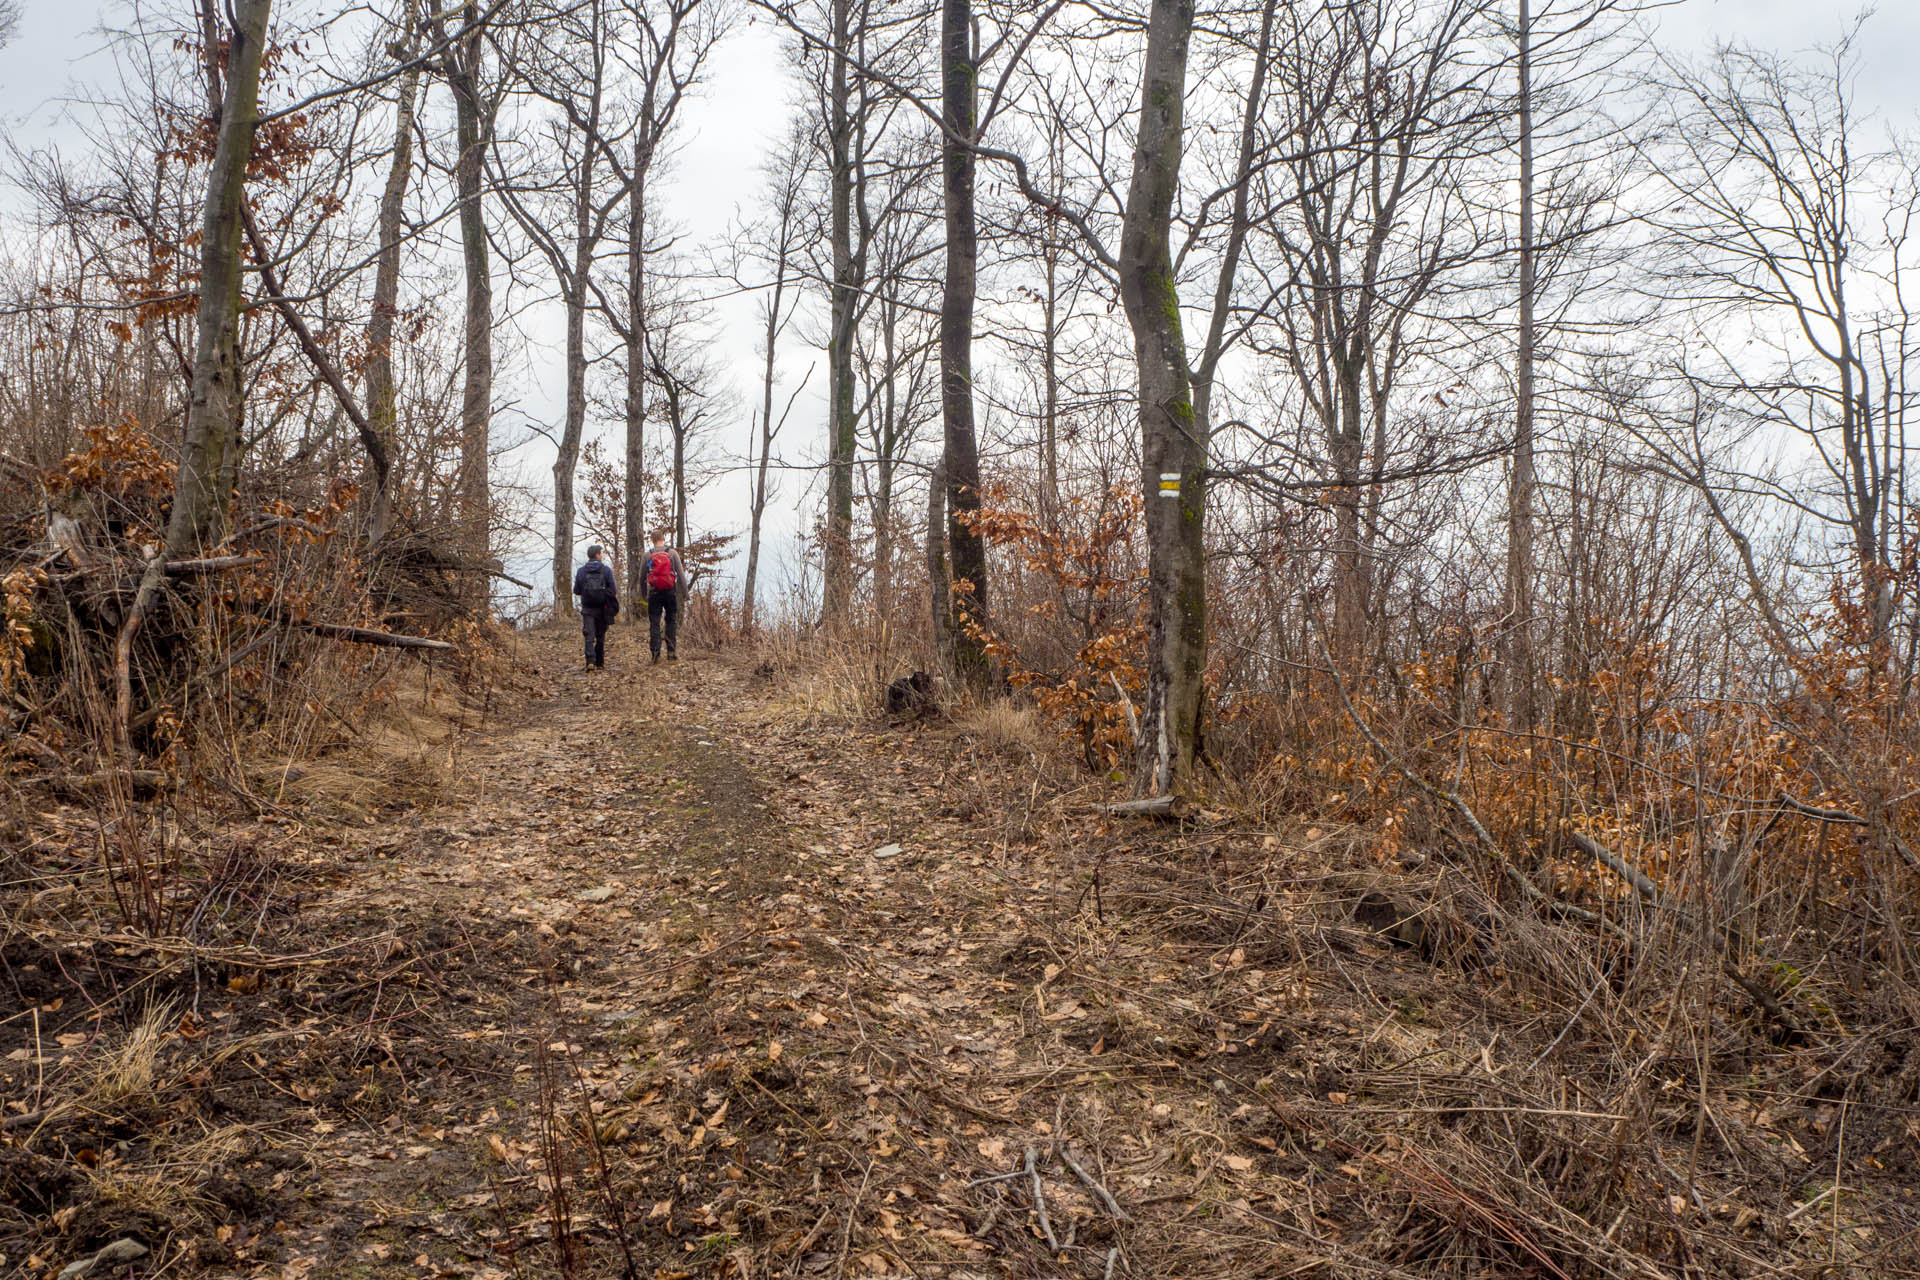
{"points": [[1769, 224], [382, 410], [845, 101], [460, 64], [672, 40], [1366, 244], [202, 491], [571, 70], [780, 234], [960, 465]]}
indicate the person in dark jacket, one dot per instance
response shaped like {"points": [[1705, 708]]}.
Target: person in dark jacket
{"points": [[599, 602], [663, 575]]}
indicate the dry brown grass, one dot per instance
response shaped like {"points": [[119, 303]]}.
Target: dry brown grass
{"points": [[127, 1077], [1005, 728], [822, 678]]}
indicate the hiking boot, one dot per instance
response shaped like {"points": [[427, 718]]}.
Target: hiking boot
{"points": [[656, 659], [673, 657]]}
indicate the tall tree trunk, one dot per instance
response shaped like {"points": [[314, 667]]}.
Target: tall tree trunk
{"points": [[938, 585], [382, 406], [566, 459], [635, 493], [576, 285], [756, 513], [203, 484], [962, 452], [1350, 564], [1173, 452], [1520, 667], [1050, 392], [887, 440], [680, 496], [202, 490], [837, 589], [476, 396], [757, 499]]}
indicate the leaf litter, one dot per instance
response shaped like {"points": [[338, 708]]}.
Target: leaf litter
{"points": [[651, 993]]}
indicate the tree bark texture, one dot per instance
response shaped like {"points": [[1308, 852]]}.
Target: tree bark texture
{"points": [[962, 451], [939, 603], [635, 491], [575, 287], [476, 395], [1520, 674], [202, 489], [837, 589], [382, 402], [1173, 450]]}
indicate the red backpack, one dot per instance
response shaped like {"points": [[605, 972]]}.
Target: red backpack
{"points": [[660, 571]]}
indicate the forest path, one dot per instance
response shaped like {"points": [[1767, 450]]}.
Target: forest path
{"points": [[688, 973], [787, 967]]}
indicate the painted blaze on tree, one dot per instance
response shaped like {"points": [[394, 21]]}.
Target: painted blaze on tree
{"points": [[1172, 445]]}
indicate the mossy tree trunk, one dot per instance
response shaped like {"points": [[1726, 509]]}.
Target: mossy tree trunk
{"points": [[203, 487], [1173, 448]]}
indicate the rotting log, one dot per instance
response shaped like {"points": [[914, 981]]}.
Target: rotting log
{"points": [[1167, 806]]}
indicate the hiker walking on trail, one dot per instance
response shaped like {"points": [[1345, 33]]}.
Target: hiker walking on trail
{"points": [[663, 575], [599, 603]]}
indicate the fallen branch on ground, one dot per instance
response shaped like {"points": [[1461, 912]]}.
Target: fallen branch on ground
{"points": [[1764, 999], [1617, 864], [365, 635], [1153, 807], [1040, 1203], [1094, 1185]]}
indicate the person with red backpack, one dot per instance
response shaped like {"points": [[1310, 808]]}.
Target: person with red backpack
{"points": [[663, 574]]}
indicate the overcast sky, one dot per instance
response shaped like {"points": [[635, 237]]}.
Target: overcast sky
{"points": [[58, 53]]}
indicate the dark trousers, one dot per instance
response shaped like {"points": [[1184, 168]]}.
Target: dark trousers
{"points": [[663, 604], [593, 628]]}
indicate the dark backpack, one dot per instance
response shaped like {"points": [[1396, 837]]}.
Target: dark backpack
{"points": [[660, 571], [596, 589]]}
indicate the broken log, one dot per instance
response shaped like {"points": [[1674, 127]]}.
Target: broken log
{"points": [[1174, 806]]}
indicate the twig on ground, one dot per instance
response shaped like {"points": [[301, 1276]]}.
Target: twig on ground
{"points": [[846, 1228], [1040, 1203], [992, 1214], [1094, 1185]]}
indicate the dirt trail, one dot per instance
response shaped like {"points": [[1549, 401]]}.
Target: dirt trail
{"points": [[800, 978], [727, 930], [677, 978]]}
